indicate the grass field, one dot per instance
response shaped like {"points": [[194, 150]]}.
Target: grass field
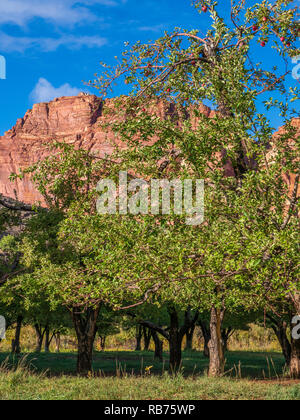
{"points": [[240, 364], [123, 375]]}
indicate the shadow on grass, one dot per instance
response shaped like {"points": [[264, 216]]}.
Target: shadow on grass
{"points": [[254, 365]]}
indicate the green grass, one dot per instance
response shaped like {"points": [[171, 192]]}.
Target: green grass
{"points": [[22, 386], [239, 364], [121, 375]]}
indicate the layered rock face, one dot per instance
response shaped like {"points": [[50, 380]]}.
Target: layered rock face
{"points": [[290, 178], [76, 120], [71, 119]]}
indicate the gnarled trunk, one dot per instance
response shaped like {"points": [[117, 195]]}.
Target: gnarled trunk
{"points": [[189, 338], [40, 333], [295, 359], [57, 342], [216, 353], [158, 353], [295, 347], [280, 330], [175, 342], [226, 334], [47, 340], [86, 328], [206, 337], [147, 338], [138, 337], [102, 342], [16, 347], [174, 334], [206, 349]]}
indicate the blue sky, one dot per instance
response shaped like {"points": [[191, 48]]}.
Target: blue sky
{"points": [[52, 47]]}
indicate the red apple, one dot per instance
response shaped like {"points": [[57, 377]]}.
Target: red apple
{"points": [[204, 9], [265, 19], [263, 44], [282, 38], [288, 44], [255, 28]]}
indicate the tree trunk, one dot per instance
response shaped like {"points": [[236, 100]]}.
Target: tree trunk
{"points": [[189, 338], [174, 334], [216, 354], [147, 338], [138, 336], [86, 327], [206, 337], [175, 342], [158, 353], [280, 329], [226, 334], [295, 354], [39, 337], [57, 342], [102, 342], [16, 347], [206, 349], [47, 340]]}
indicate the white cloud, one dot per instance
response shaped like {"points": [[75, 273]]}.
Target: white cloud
{"points": [[63, 12], [44, 91], [20, 44], [155, 28]]}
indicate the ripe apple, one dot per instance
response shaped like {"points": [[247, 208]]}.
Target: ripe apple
{"points": [[255, 28], [265, 19], [204, 9], [282, 38], [263, 44]]}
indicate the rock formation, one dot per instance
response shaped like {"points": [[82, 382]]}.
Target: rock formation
{"points": [[77, 120]]}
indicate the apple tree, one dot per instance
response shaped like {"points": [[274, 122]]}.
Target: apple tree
{"points": [[248, 203]]}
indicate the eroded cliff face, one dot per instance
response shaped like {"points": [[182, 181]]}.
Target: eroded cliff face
{"points": [[289, 177], [76, 120], [71, 119]]}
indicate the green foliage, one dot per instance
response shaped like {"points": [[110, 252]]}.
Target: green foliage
{"points": [[236, 258], [245, 256]]}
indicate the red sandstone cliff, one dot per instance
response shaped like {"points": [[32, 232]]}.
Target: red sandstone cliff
{"points": [[76, 120], [72, 119]]}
